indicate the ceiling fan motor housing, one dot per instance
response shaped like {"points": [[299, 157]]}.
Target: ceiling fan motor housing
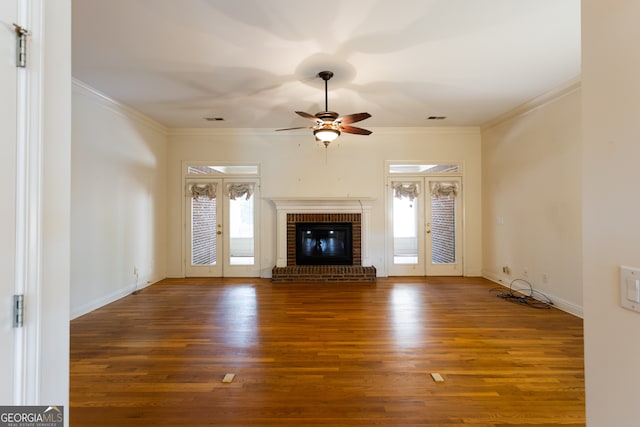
{"points": [[327, 115]]}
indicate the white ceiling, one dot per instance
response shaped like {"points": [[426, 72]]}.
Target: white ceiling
{"points": [[254, 62]]}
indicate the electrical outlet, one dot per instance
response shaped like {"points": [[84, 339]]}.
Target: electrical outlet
{"points": [[545, 278], [135, 271], [506, 269]]}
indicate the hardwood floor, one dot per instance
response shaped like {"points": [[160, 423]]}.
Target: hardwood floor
{"points": [[330, 354]]}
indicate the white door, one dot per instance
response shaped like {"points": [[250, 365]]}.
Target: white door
{"points": [[221, 229], [8, 113], [425, 226]]}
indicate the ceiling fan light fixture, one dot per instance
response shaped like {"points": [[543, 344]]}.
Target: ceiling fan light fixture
{"points": [[328, 124], [326, 134]]}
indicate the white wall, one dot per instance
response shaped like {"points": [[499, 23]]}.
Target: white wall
{"points": [[118, 201], [611, 207], [532, 197], [294, 165], [53, 330]]}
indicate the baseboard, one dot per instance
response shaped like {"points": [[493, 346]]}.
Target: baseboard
{"points": [[558, 303], [107, 299]]}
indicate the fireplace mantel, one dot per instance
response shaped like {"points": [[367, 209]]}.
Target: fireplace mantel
{"points": [[295, 205], [322, 204]]}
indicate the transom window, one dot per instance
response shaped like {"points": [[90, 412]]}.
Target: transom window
{"points": [[419, 168], [222, 170]]}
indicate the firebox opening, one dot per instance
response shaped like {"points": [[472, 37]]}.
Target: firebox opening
{"points": [[324, 243]]}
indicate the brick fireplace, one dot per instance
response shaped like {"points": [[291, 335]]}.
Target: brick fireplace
{"points": [[293, 211]]}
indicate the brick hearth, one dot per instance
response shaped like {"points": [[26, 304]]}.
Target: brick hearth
{"points": [[324, 273]]}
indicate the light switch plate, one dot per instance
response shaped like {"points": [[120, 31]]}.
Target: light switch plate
{"points": [[633, 289], [630, 288]]}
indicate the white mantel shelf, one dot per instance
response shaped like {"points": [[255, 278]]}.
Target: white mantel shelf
{"points": [[284, 206], [303, 204]]}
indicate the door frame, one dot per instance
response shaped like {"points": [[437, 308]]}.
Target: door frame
{"points": [[424, 266], [11, 217], [35, 345], [224, 269]]}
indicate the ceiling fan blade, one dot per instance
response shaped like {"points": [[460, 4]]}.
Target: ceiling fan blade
{"points": [[356, 130], [352, 118], [308, 116], [299, 127]]}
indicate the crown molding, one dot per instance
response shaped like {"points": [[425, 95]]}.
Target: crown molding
{"points": [[466, 130], [220, 131], [535, 103], [118, 107]]}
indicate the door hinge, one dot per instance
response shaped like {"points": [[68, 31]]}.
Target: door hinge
{"points": [[18, 311], [21, 45]]}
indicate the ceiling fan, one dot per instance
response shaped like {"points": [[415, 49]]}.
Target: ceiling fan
{"points": [[328, 125]]}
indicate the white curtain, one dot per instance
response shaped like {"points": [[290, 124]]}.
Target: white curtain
{"points": [[442, 189], [196, 190], [405, 189], [239, 190]]}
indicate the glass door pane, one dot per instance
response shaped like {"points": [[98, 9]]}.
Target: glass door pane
{"points": [[406, 227], [204, 243], [241, 251], [405, 230], [443, 230], [241, 225], [444, 227]]}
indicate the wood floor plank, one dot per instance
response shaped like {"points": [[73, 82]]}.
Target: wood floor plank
{"points": [[325, 354]]}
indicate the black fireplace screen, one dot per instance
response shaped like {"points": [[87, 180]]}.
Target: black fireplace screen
{"points": [[323, 243]]}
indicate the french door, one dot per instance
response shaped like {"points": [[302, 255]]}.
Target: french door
{"points": [[425, 225], [221, 232]]}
